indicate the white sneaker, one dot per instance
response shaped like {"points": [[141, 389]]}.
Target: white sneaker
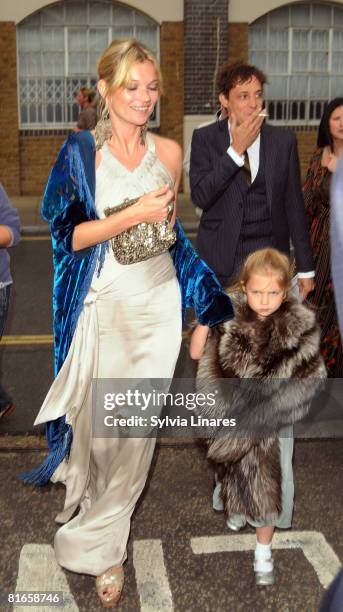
{"points": [[264, 572], [265, 578]]}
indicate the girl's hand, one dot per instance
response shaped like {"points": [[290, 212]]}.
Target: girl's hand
{"points": [[155, 206], [198, 341]]}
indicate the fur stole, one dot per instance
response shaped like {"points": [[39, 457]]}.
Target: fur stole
{"points": [[265, 374]]}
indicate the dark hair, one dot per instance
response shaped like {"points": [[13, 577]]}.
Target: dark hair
{"points": [[230, 75], [324, 134]]}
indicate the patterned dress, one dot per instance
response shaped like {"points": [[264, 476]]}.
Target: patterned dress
{"points": [[317, 202]]}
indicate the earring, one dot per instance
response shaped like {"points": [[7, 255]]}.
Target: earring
{"points": [[103, 129], [144, 130]]}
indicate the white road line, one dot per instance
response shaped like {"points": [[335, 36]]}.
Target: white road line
{"points": [[151, 576], [39, 571], [313, 544]]}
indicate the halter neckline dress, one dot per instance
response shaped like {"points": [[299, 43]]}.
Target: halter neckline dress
{"points": [[130, 327]]}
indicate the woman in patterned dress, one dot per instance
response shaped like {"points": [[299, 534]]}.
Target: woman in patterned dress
{"points": [[317, 202]]}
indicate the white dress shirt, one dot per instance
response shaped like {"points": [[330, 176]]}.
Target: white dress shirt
{"points": [[254, 161]]}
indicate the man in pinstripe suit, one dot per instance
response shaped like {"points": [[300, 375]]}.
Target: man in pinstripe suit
{"points": [[245, 177]]}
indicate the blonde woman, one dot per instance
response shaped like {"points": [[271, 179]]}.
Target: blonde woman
{"points": [[113, 321]]}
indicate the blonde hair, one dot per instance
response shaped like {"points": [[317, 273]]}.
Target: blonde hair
{"points": [[115, 64], [267, 261]]}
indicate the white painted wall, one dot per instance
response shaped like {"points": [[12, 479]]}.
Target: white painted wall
{"points": [[246, 11], [160, 10], [190, 123]]}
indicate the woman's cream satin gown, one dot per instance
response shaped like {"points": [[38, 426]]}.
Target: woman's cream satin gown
{"points": [[130, 327]]}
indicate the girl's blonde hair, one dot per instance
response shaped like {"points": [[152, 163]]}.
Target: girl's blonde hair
{"points": [[267, 261], [114, 66]]}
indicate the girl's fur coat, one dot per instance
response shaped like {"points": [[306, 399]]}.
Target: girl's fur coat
{"points": [[277, 370]]}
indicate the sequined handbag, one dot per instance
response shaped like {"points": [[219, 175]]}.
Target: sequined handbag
{"points": [[142, 241]]}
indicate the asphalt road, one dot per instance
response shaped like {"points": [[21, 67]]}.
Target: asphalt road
{"points": [[181, 557]]}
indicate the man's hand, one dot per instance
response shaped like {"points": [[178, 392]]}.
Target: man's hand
{"points": [[306, 285], [243, 135]]}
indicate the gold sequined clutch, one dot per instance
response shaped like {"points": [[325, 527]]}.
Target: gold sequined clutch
{"points": [[142, 241]]}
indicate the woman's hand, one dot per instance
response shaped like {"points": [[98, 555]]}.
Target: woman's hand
{"points": [[152, 207], [155, 206]]}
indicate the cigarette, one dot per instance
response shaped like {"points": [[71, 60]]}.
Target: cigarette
{"points": [[263, 115]]}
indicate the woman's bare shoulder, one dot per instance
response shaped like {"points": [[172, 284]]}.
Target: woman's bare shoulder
{"points": [[169, 152], [167, 145]]}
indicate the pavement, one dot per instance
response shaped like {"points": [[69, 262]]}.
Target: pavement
{"points": [[181, 557], [33, 224]]}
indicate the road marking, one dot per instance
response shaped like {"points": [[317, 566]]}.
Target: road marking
{"points": [[42, 339], [39, 571], [28, 339], [151, 576], [313, 544]]}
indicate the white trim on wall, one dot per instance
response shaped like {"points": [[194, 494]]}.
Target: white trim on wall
{"points": [[156, 9], [190, 123], [246, 11]]}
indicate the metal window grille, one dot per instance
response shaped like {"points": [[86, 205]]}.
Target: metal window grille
{"points": [[300, 48], [58, 47]]}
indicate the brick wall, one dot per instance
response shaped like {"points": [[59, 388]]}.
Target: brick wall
{"points": [[172, 66], [238, 42], [306, 144], [37, 156], [9, 150], [206, 32]]}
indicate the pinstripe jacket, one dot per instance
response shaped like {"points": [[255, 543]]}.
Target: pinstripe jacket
{"points": [[215, 187]]}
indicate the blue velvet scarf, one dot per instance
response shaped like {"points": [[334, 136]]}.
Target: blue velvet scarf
{"points": [[69, 199]]}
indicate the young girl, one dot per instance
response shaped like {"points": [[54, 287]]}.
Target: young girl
{"points": [[276, 341]]}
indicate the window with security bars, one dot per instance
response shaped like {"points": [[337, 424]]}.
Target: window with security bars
{"points": [[58, 48], [300, 48]]}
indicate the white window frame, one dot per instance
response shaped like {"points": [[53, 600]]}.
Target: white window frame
{"points": [[84, 80], [286, 103]]}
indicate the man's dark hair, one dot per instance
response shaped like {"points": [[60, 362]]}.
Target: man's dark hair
{"points": [[230, 75], [324, 135]]}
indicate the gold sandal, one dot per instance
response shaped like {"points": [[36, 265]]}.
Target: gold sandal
{"points": [[109, 586]]}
